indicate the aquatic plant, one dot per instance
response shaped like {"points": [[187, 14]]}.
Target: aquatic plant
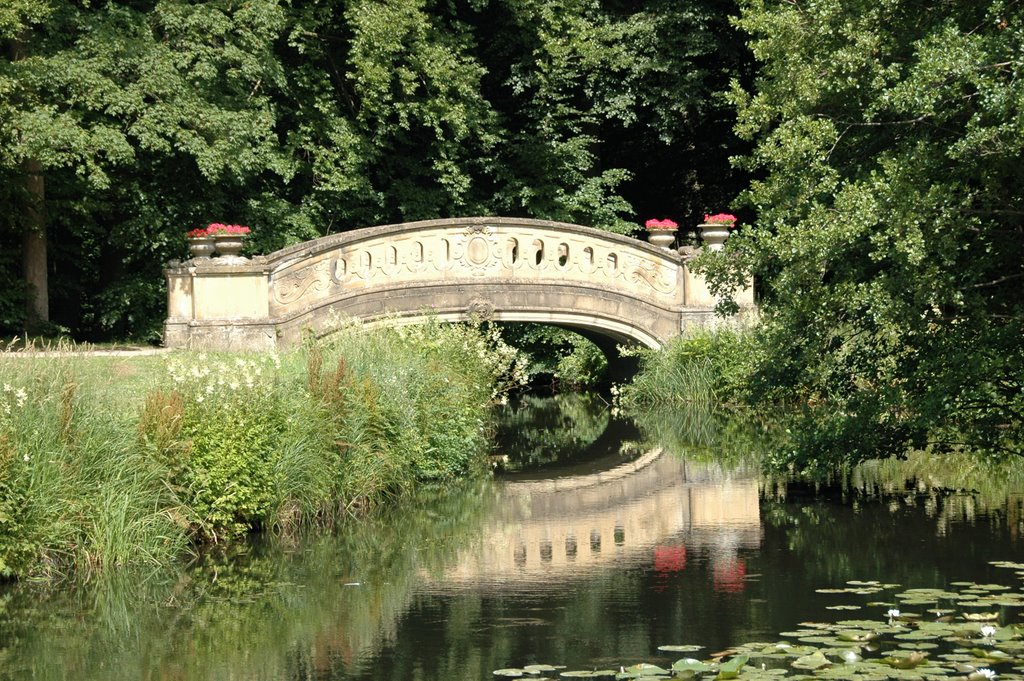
{"points": [[965, 633]]}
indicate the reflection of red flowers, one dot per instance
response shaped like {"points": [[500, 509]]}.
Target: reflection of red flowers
{"points": [[728, 577], [669, 558]]}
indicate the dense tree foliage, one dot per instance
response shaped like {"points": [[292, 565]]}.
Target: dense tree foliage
{"points": [[146, 118], [888, 142]]}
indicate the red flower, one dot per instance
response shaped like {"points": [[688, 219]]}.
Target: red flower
{"points": [[660, 224], [720, 219], [218, 228]]}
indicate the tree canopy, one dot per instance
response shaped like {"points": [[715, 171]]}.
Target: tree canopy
{"points": [[888, 236]]}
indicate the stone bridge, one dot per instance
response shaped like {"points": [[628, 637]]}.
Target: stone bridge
{"points": [[608, 287]]}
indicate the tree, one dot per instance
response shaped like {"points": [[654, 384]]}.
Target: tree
{"points": [[121, 107], [889, 207]]}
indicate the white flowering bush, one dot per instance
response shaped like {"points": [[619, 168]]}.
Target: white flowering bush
{"points": [[217, 430]]}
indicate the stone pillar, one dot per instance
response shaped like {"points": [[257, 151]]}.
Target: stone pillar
{"points": [[216, 306]]}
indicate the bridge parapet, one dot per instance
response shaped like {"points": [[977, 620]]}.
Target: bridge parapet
{"points": [[500, 268]]}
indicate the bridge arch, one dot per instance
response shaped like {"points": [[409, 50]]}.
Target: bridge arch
{"points": [[606, 286]]}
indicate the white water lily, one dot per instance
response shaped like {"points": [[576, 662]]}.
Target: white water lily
{"points": [[986, 672], [850, 657], [988, 631], [893, 613]]}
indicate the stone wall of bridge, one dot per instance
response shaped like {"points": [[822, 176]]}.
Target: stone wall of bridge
{"points": [[504, 269]]}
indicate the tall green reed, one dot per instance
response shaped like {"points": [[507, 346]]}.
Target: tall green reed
{"points": [[703, 368], [109, 461]]}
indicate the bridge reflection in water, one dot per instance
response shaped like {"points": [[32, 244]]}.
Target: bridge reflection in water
{"points": [[648, 512]]}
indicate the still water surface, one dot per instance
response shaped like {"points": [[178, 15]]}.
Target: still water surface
{"points": [[592, 545]]}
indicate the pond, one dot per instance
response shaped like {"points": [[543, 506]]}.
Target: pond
{"points": [[595, 542]]}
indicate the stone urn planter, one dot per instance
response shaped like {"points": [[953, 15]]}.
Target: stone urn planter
{"points": [[663, 238], [228, 241], [714, 235], [200, 247], [229, 246]]}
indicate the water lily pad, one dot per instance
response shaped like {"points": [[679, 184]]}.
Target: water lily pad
{"points": [[820, 639], [690, 666], [1007, 564], [813, 661], [680, 649], [541, 668], [919, 635], [980, 616], [843, 607], [586, 674], [997, 655], [731, 669], [509, 673], [905, 659], [861, 624], [642, 671]]}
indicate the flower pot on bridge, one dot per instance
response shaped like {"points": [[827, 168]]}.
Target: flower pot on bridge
{"points": [[715, 230], [714, 236], [229, 245], [663, 238], [200, 247], [661, 233]]}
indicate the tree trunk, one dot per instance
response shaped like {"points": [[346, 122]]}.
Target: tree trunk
{"points": [[33, 254], [33, 244]]}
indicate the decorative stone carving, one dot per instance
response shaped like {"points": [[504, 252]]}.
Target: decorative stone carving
{"points": [[654, 276], [480, 310], [294, 285], [478, 251]]}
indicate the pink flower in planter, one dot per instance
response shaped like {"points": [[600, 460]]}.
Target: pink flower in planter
{"points": [[720, 219]]}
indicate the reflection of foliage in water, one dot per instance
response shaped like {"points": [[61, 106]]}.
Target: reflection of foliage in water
{"points": [[234, 613], [543, 430], [703, 433], [951, 492], [924, 471]]}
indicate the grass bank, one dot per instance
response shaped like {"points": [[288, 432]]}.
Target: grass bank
{"points": [[112, 460]]}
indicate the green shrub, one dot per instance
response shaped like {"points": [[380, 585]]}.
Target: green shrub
{"points": [[704, 368]]}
